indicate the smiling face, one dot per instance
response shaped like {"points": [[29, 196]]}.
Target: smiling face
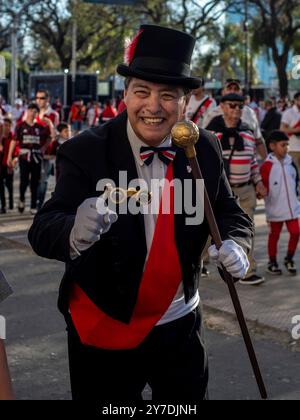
{"points": [[153, 109], [232, 111]]}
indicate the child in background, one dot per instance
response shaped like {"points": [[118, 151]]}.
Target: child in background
{"points": [[6, 392], [280, 177], [64, 134]]}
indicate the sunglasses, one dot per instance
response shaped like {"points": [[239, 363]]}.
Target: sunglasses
{"points": [[43, 98], [235, 106]]}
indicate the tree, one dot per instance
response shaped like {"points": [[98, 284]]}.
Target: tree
{"points": [[100, 34], [226, 55], [4, 38], [275, 25]]}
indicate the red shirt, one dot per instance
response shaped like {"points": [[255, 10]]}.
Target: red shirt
{"points": [[52, 115], [32, 137], [77, 113], [6, 144], [108, 113]]}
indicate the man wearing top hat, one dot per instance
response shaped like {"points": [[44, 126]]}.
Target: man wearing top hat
{"points": [[130, 291]]}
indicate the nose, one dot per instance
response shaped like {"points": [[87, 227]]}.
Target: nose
{"points": [[153, 104]]}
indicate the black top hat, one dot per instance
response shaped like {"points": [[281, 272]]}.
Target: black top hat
{"points": [[160, 55]]}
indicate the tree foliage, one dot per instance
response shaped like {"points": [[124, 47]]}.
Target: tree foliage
{"points": [[275, 25]]}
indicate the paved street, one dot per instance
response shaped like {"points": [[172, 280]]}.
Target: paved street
{"points": [[36, 341]]}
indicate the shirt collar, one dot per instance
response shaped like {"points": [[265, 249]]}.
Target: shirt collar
{"points": [[136, 143], [296, 109]]}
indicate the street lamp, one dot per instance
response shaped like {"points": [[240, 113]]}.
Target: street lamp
{"points": [[14, 59], [66, 72]]}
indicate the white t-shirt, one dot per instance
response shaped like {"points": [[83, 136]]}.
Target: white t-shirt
{"points": [[207, 103], [291, 117]]}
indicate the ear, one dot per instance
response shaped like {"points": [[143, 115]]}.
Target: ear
{"points": [[272, 146], [125, 96]]}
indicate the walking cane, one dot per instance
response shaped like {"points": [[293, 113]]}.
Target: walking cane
{"points": [[185, 135]]}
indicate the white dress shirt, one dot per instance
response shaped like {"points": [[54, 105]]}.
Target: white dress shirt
{"points": [[157, 170]]}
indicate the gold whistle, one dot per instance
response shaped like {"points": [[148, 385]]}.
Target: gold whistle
{"points": [[119, 195]]}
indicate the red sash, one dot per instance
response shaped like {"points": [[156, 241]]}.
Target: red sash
{"points": [[161, 279]]}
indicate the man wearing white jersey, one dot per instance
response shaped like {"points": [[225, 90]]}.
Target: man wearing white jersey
{"points": [[199, 106], [290, 124]]}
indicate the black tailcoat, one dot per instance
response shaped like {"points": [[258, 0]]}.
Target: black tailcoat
{"points": [[111, 270]]}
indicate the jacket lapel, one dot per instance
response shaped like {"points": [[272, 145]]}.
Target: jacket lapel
{"points": [[121, 158]]}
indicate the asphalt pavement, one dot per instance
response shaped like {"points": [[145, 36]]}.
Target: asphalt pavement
{"points": [[36, 336]]}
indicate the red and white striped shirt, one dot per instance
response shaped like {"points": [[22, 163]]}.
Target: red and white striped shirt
{"points": [[243, 165]]}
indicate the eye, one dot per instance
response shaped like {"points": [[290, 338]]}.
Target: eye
{"points": [[168, 96], [141, 93]]}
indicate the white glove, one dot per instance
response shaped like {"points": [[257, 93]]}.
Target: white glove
{"points": [[232, 257], [92, 220]]}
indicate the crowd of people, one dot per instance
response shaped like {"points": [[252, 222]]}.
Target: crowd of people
{"points": [[30, 135], [250, 133]]}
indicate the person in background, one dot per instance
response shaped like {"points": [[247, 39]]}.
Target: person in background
{"points": [[272, 119], [6, 172], [248, 116], [42, 99], [239, 154], [108, 112], [280, 177], [77, 115], [17, 113], [199, 105], [290, 124], [64, 134], [48, 118], [93, 114], [34, 140], [283, 105], [58, 107]]}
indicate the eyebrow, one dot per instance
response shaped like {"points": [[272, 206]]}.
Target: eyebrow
{"points": [[168, 88]]}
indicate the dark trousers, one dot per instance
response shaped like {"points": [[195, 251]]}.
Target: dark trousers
{"points": [[6, 181], [30, 172], [172, 360], [46, 169]]}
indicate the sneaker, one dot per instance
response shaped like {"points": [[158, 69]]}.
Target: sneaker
{"points": [[21, 206], [253, 280], [205, 272], [274, 269], [33, 212], [290, 266]]}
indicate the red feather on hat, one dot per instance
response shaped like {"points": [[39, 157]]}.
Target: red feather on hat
{"points": [[130, 48]]}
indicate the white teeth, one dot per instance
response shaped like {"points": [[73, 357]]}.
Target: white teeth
{"points": [[152, 121]]}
